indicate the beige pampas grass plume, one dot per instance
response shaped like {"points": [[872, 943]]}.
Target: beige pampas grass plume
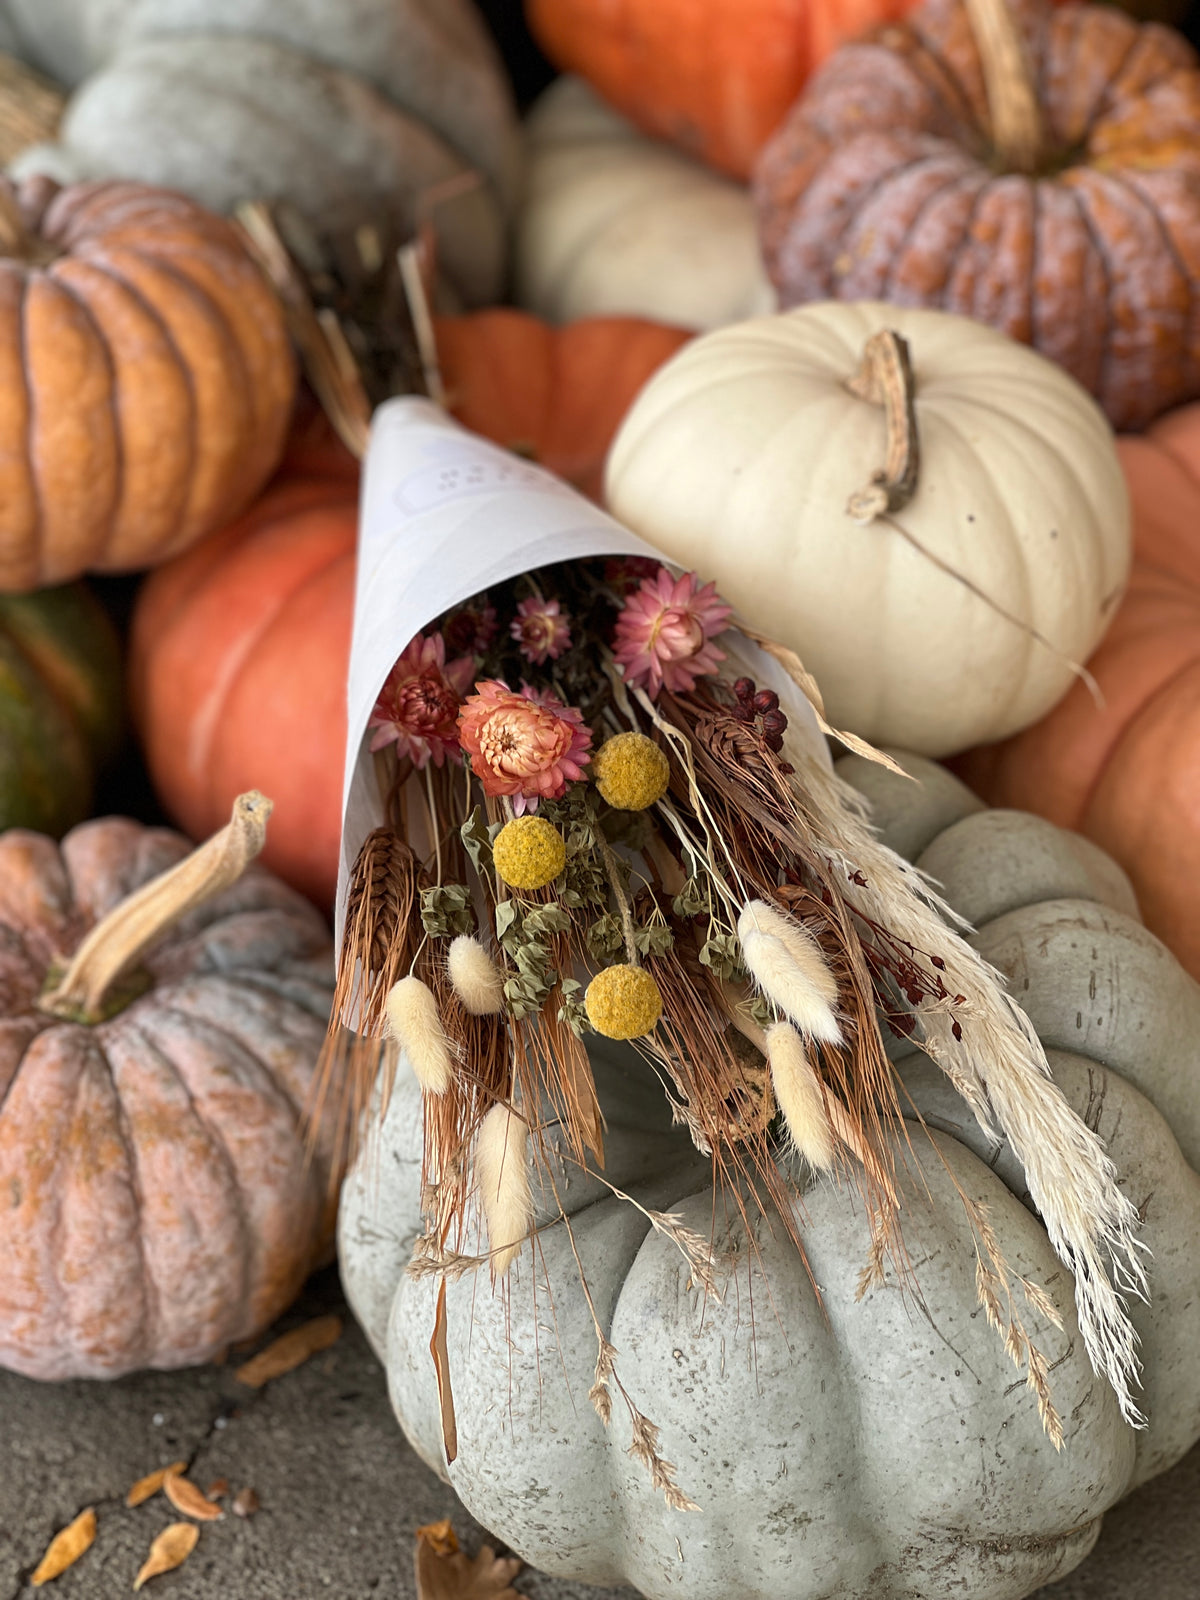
{"points": [[413, 1021], [787, 964], [503, 1181], [477, 979], [798, 1093]]}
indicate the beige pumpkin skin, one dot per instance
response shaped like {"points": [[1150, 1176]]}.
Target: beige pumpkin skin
{"points": [[614, 223], [739, 457], [156, 1203]]}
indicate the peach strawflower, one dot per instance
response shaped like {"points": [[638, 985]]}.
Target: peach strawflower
{"points": [[665, 631], [417, 708], [528, 749], [541, 630]]}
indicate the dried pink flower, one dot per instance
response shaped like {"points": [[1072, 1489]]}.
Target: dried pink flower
{"points": [[665, 630], [526, 748], [417, 708], [470, 630], [541, 630]]}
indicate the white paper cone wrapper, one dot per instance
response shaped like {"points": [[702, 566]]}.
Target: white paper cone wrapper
{"points": [[444, 515]]}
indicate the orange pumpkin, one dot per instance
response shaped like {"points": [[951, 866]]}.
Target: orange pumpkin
{"points": [[159, 1203], [716, 78], [1128, 774], [240, 647], [146, 378]]}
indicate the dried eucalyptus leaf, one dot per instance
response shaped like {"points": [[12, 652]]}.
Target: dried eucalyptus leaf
{"points": [[477, 841]]}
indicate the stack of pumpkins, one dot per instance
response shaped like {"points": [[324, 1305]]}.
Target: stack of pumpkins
{"points": [[938, 523]]}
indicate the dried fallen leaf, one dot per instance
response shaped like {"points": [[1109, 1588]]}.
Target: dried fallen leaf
{"points": [[218, 1489], [146, 1488], [246, 1503], [186, 1497], [289, 1351], [65, 1549], [170, 1550], [444, 1573]]}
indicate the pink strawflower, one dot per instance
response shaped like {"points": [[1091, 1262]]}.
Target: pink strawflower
{"points": [[665, 630], [417, 708], [470, 630], [526, 748], [541, 630]]}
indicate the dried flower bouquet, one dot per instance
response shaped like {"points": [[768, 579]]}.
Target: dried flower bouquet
{"points": [[599, 819]]}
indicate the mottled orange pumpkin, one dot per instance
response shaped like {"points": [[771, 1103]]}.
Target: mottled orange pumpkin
{"points": [[1127, 773], [156, 1200], [146, 378], [240, 647], [1059, 202]]}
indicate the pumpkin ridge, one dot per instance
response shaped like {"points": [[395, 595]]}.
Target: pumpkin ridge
{"points": [[249, 1253], [35, 531], [1130, 728], [150, 1293], [1129, 182], [164, 1006], [964, 112], [914, 222], [237, 484], [218, 340], [101, 260], [113, 511]]}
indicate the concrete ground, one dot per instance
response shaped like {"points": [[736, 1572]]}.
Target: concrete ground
{"points": [[341, 1492]]}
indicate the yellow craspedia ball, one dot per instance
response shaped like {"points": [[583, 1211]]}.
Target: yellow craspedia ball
{"points": [[631, 772], [623, 1002], [529, 853]]}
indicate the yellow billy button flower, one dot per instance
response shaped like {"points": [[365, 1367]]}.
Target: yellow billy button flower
{"points": [[631, 772], [529, 853], [623, 1002]]}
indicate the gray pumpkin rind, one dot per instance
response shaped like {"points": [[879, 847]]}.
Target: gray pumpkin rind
{"points": [[847, 1450], [347, 109]]}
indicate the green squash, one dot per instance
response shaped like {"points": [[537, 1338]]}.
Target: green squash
{"points": [[60, 705]]}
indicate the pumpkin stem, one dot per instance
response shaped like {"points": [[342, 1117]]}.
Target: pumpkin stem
{"points": [[885, 378], [1008, 79], [81, 993], [31, 108]]}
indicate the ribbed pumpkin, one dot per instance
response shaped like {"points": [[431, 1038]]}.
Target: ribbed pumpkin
{"points": [[240, 647], [146, 379], [1127, 773], [157, 1199], [1041, 174], [60, 705]]}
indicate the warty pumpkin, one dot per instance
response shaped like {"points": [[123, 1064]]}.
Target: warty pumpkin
{"points": [[240, 648], [346, 109], [615, 223], [61, 710], [1037, 169], [1127, 772], [162, 1021], [838, 1444], [146, 378], [938, 548]]}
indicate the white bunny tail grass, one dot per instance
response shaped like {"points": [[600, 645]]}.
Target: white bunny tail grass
{"points": [[787, 964], [413, 1021], [999, 1066], [503, 1180], [798, 1094], [476, 977]]}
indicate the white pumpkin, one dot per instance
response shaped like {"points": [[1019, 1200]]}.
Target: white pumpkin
{"points": [[615, 223], [740, 457], [351, 110], [854, 1449]]}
